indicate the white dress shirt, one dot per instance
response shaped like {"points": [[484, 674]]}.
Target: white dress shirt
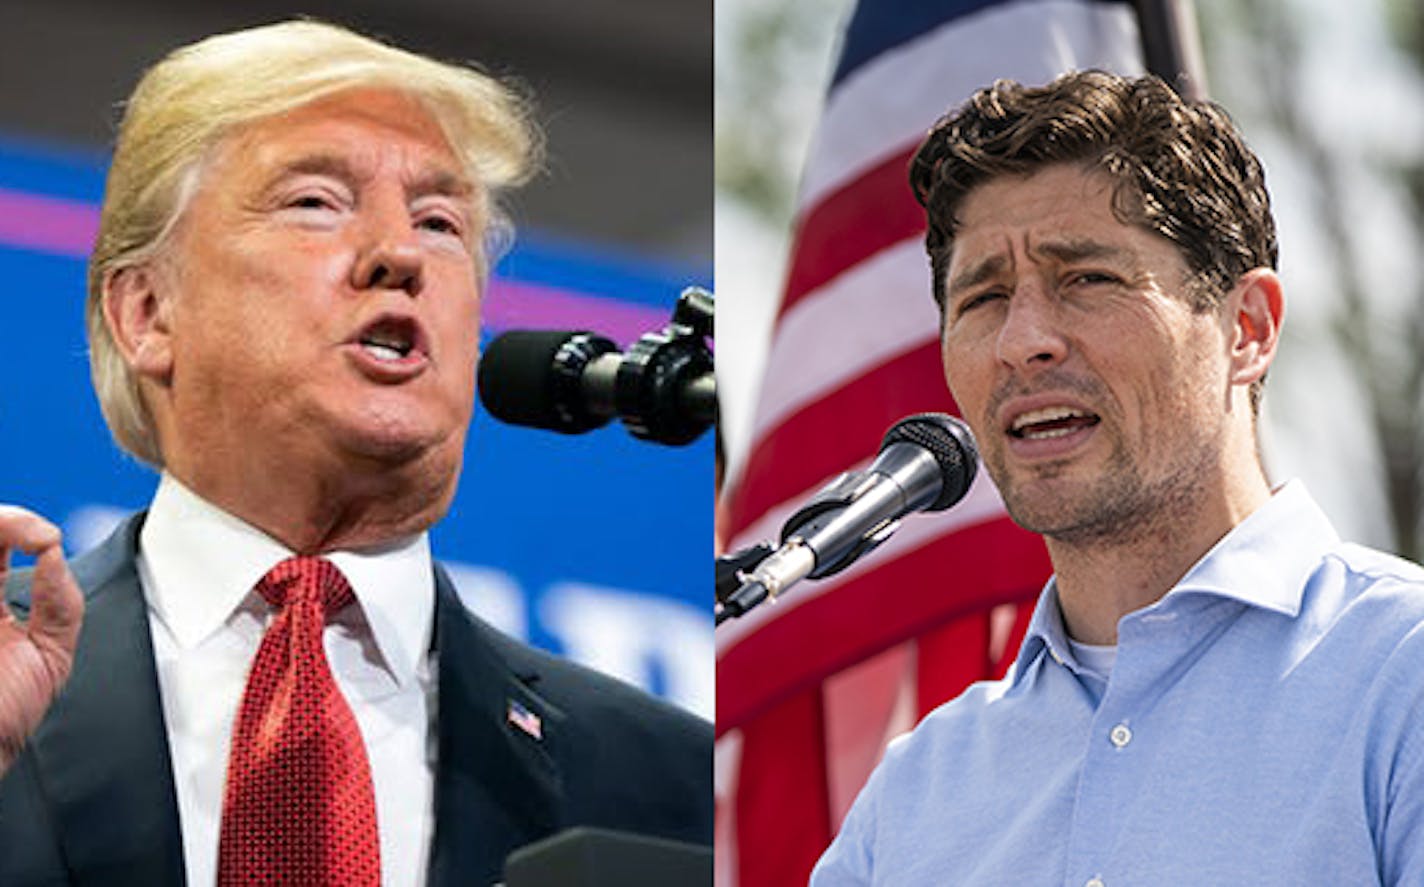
{"points": [[199, 566]]}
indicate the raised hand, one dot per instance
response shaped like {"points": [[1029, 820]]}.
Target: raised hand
{"points": [[35, 655]]}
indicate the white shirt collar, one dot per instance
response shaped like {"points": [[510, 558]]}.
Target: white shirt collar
{"points": [[199, 563]]}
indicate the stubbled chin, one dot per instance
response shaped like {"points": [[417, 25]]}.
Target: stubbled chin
{"points": [[1029, 486], [1036, 505]]}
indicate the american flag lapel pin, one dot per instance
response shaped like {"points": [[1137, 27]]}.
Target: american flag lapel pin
{"points": [[521, 717]]}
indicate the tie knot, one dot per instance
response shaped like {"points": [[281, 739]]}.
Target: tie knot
{"points": [[303, 579]]}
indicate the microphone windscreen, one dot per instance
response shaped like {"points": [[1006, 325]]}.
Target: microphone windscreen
{"points": [[532, 378], [951, 443]]}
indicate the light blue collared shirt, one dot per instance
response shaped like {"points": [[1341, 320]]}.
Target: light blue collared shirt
{"points": [[1263, 724]]}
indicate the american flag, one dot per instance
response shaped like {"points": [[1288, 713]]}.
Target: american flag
{"points": [[522, 718], [811, 689]]}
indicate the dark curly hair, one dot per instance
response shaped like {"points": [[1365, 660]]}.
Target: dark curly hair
{"points": [[1180, 169]]}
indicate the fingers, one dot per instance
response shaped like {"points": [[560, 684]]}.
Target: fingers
{"points": [[27, 531], [23, 529], [56, 604]]}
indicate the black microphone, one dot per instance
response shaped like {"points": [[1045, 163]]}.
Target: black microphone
{"points": [[926, 463], [662, 388], [536, 378]]}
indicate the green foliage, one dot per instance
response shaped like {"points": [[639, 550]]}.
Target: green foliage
{"points": [[1405, 21]]}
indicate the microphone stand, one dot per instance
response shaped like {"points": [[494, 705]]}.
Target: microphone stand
{"points": [[735, 594]]}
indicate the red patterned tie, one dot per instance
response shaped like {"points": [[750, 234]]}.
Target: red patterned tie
{"points": [[299, 808]]}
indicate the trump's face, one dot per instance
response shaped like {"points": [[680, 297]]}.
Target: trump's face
{"points": [[326, 300]]}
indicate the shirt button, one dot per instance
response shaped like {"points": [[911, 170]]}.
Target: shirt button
{"points": [[1095, 882], [1119, 736]]}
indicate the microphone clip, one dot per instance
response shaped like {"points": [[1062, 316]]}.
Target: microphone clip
{"points": [[829, 503], [664, 389]]}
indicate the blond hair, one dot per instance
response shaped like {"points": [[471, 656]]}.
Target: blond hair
{"points": [[191, 101]]}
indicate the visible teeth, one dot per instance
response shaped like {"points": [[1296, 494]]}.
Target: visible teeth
{"points": [[382, 351], [1047, 414], [1054, 432]]}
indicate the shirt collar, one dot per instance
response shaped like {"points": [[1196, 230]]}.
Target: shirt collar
{"points": [[1045, 633], [1266, 559], [199, 563], [1263, 562]]}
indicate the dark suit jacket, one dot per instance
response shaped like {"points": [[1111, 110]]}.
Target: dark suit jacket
{"points": [[91, 800]]}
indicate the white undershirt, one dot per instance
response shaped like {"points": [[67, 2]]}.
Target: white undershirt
{"points": [[1095, 659], [199, 566]]}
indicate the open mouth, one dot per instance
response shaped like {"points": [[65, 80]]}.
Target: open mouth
{"points": [[1050, 422], [391, 339]]}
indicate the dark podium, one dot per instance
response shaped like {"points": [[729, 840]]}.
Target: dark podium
{"points": [[594, 857]]}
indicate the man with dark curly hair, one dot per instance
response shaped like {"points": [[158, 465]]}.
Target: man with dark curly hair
{"points": [[1213, 688]]}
